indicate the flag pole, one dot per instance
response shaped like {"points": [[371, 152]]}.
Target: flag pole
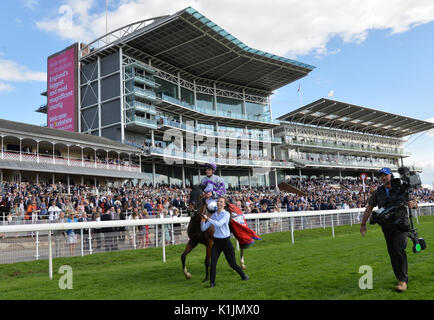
{"points": [[301, 95]]}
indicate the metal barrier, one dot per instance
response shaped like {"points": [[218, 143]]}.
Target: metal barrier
{"points": [[94, 238]]}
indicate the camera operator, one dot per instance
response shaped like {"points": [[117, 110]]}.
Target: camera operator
{"points": [[394, 233]]}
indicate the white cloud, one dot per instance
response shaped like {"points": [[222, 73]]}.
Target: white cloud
{"points": [[5, 87], [283, 27], [30, 4], [12, 71]]}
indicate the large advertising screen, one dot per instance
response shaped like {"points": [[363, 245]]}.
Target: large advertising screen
{"points": [[61, 90]]}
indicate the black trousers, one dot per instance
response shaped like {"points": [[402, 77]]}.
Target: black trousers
{"points": [[396, 241], [226, 246]]}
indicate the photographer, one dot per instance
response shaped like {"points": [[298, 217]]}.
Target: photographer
{"points": [[395, 230]]}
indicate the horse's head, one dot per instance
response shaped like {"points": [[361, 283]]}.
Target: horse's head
{"points": [[195, 200]]}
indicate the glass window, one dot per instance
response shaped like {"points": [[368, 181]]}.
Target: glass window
{"points": [[205, 101], [227, 106], [257, 110], [167, 88], [205, 128], [187, 96]]}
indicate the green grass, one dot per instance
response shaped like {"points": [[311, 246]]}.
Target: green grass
{"points": [[316, 266]]}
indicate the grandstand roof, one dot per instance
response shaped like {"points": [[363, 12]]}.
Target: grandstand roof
{"points": [[345, 116], [18, 129], [190, 43]]}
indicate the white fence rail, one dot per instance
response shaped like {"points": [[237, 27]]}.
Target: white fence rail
{"points": [[91, 233]]}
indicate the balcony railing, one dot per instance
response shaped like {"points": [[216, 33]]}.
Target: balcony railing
{"points": [[197, 156], [162, 121], [70, 162], [342, 147], [143, 93], [345, 163], [142, 121], [219, 113], [147, 80]]}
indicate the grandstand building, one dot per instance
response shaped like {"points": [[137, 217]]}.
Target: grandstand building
{"points": [[181, 91], [335, 139], [182, 77], [38, 154]]}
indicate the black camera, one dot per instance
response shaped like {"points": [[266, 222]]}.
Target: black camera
{"points": [[396, 211], [381, 216]]}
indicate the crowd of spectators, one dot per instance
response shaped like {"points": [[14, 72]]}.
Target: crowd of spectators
{"points": [[28, 202]]}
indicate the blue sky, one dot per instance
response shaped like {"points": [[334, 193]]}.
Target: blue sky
{"points": [[368, 54]]}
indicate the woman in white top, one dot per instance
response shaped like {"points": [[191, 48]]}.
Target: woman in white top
{"points": [[222, 241]]}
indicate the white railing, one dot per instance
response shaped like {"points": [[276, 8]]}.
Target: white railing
{"points": [[71, 162], [261, 223]]}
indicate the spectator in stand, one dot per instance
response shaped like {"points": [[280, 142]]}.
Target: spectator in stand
{"points": [[53, 211], [83, 218], [132, 231], [108, 232], [71, 237], [59, 237]]}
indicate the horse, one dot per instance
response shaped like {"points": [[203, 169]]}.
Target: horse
{"points": [[196, 208]]}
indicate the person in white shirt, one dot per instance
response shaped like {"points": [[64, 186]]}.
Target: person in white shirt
{"points": [[222, 241], [53, 211]]}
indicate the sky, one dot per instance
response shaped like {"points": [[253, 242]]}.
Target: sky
{"points": [[373, 53]]}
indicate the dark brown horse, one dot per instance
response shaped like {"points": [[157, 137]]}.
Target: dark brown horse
{"points": [[196, 208]]}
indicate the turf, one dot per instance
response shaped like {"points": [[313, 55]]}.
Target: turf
{"points": [[317, 266]]}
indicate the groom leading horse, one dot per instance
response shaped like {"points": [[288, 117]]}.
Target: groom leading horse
{"points": [[203, 201]]}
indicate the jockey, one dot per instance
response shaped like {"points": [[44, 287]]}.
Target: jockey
{"points": [[213, 186]]}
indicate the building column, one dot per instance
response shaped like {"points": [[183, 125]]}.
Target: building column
{"points": [[68, 154], [53, 178], [183, 177], [37, 178], [215, 97], [179, 86], [21, 153], [152, 139], [121, 76], [153, 173], [19, 175], [82, 180], [250, 177], [1, 175], [82, 157], [99, 95], [37, 151], [244, 111], [299, 173], [68, 182], [195, 92]]}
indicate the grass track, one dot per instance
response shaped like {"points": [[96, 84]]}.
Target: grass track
{"points": [[316, 266]]}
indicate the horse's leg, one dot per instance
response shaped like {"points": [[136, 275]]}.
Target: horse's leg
{"points": [[207, 259], [243, 266], [190, 246]]}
